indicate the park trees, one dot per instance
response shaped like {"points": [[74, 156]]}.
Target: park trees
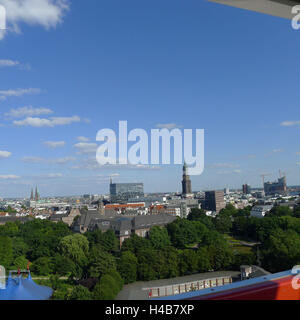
{"points": [[219, 253], [279, 211], [223, 223], [80, 293], [159, 237], [188, 262], [20, 248], [127, 266], [63, 265], [171, 262], [184, 232], [10, 229], [42, 266], [75, 247], [229, 211], [281, 251], [108, 287], [204, 264], [107, 240], [100, 262], [6, 251], [196, 214], [148, 264], [20, 263], [136, 244], [297, 212]]}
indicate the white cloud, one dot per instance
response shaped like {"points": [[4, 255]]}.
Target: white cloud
{"points": [[32, 159], [290, 123], [168, 126], [45, 13], [86, 120], [277, 150], [8, 63], [17, 92], [42, 122], [54, 175], [62, 160], [274, 151], [55, 144], [48, 161], [83, 139], [223, 165], [92, 164], [237, 171], [9, 177], [27, 112], [5, 154], [85, 147]]}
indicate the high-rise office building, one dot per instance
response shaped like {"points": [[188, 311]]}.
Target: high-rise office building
{"points": [[214, 201], [186, 182], [246, 189], [121, 192]]}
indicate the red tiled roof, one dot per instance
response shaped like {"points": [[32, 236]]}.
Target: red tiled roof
{"points": [[127, 205]]}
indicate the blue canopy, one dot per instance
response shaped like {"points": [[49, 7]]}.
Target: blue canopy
{"points": [[24, 289]]}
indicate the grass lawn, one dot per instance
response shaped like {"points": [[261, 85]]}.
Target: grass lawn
{"points": [[237, 245], [241, 249]]}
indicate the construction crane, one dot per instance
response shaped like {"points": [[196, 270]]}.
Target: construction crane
{"points": [[263, 177], [263, 180], [282, 174]]}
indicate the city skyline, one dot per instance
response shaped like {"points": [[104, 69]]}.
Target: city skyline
{"points": [[101, 63]]}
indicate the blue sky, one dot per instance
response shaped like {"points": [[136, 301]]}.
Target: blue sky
{"points": [[76, 67]]}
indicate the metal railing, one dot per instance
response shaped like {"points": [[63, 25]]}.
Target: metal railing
{"points": [[174, 289]]}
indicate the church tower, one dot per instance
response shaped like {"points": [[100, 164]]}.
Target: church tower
{"points": [[37, 196], [31, 196], [186, 182]]}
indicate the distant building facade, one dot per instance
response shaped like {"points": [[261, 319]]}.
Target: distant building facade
{"points": [[246, 189], [277, 187], [260, 211], [4, 220], [122, 192], [214, 200], [123, 226]]}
